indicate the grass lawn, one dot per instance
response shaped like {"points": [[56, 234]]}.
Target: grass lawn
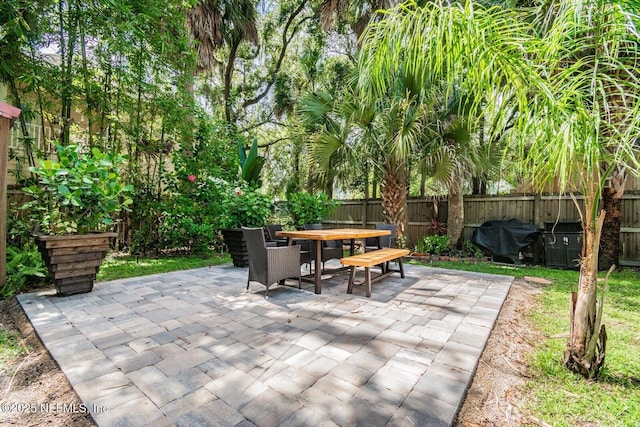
{"points": [[553, 393], [121, 267]]}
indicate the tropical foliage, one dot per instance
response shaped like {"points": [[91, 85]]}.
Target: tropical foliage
{"points": [[330, 97], [567, 126], [246, 206], [307, 208], [80, 193]]}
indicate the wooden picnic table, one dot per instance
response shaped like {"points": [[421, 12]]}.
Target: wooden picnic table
{"points": [[319, 236]]}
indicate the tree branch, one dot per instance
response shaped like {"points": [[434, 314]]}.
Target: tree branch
{"points": [[285, 44]]}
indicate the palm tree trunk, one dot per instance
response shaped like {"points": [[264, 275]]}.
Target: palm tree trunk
{"points": [[585, 350], [393, 191], [455, 216], [612, 205]]}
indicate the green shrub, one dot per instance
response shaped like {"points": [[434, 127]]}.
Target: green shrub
{"points": [[185, 226], [25, 269], [434, 245], [308, 208], [79, 193], [469, 249], [244, 206]]}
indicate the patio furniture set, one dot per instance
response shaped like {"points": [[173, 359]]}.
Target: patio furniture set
{"points": [[269, 264]]}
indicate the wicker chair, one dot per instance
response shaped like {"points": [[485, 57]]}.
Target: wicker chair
{"points": [[272, 229], [305, 252], [268, 265], [330, 248], [371, 243]]}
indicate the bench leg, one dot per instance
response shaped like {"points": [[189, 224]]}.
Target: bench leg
{"points": [[367, 280], [401, 267], [352, 276]]}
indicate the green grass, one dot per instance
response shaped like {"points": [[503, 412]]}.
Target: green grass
{"points": [[554, 394], [10, 347], [121, 267]]}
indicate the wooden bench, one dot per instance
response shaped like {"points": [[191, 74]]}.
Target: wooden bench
{"points": [[368, 260]]}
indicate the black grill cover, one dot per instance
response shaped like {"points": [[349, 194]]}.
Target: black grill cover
{"points": [[505, 238]]}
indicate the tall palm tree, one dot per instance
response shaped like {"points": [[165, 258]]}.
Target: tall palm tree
{"points": [[456, 155], [590, 51], [559, 129], [384, 134]]}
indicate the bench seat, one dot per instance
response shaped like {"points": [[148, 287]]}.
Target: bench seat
{"points": [[367, 260]]}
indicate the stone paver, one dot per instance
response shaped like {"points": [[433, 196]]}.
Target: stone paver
{"points": [[194, 348]]}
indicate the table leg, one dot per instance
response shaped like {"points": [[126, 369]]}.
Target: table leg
{"points": [[318, 264], [384, 265], [352, 247]]}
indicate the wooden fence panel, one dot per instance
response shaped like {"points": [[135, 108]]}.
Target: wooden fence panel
{"points": [[630, 235], [478, 209], [538, 209]]}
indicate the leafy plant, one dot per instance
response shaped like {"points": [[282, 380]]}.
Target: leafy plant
{"points": [[434, 245], [184, 226], [251, 164], [25, 269], [308, 208], [79, 193], [246, 207], [436, 227], [471, 250]]}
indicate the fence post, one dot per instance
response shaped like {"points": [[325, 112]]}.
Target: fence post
{"points": [[7, 114], [537, 211], [364, 213]]}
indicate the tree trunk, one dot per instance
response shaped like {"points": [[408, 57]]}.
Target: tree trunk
{"points": [[455, 215], [585, 351], [612, 205], [479, 186], [393, 191]]}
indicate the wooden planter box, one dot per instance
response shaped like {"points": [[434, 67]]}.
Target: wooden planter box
{"points": [[234, 239], [73, 261]]}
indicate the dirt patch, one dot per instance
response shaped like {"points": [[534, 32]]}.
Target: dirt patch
{"points": [[495, 395], [494, 398], [34, 391]]}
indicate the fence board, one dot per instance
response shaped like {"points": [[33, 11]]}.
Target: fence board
{"points": [[479, 209]]}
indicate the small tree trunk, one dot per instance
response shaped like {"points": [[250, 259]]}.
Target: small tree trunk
{"points": [[393, 191], [612, 205], [455, 216], [585, 351]]}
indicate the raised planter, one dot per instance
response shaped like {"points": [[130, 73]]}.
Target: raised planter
{"points": [[234, 239], [74, 260]]}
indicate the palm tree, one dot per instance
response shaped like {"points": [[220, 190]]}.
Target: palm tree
{"points": [[591, 50], [383, 135], [456, 155], [560, 129], [217, 23]]}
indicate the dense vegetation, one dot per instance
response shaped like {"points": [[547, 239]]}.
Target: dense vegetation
{"points": [[336, 98]]}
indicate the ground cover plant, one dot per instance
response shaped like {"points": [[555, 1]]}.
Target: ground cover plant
{"points": [[556, 395]]}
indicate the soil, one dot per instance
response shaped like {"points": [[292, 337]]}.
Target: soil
{"points": [[41, 395]]}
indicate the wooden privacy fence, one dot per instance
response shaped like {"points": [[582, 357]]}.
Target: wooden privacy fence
{"points": [[536, 209]]}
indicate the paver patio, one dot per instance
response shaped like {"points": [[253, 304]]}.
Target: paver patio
{"points": [[193, 348]]}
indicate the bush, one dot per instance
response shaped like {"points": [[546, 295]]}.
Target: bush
{"points": [[185, 226], [25, 269], [469, 249], [79, 193], [308, 208], [244, 206], [434, 245]]}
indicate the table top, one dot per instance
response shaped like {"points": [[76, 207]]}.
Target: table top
{"points": [[333, 234]]}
